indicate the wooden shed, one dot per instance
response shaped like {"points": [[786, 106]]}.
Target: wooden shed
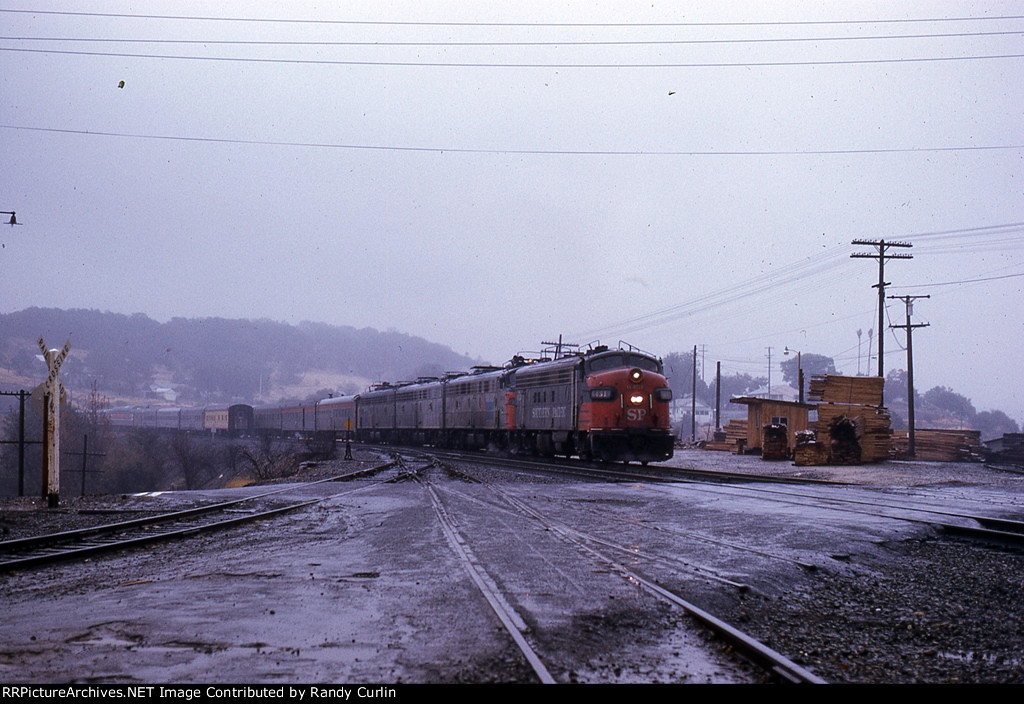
{"points": [[770, 411]]}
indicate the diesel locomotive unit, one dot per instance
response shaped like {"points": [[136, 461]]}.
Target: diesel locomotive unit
{"points": [[599, 404], [606, 404]]}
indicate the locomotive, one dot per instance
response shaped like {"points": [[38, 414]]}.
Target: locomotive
{"points": [[602, 403]]}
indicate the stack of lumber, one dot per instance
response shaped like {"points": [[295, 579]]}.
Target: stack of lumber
{"points": [[808, 451], [735, 437], [939, 445], [718, 442], [774, 442], [845, 436], [873, 432], [856, 390], [851, 419], [810, 454]]}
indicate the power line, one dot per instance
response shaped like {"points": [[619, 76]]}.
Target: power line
{"points": [[556, 152], [964, 281], [625, 42], [796, 271], [797, 329], [760, 284], [968, 231], [775, 23], [477, 64]]}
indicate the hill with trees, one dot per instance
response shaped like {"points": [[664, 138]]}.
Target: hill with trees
{"points": [[211, 360], [942, 407]]}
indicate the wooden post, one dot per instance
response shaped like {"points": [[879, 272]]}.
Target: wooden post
{"points": [[51, 424]]}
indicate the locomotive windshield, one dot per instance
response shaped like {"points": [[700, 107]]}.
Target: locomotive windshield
{"points": [[612, 361]]}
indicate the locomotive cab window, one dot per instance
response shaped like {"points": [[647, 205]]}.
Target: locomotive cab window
{"points": [[609, 362], [645, 363]]}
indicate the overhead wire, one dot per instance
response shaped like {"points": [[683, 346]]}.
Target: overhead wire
{"points": [[517, 43], [470, 150], [658, 317], [320, 21], [799, 270], [760, 284], [943, 234], [547, 43], [964, 281], [536, 65]]}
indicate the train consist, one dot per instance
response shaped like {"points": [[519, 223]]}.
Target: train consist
{"points": [[609, 404], [236, 419]]}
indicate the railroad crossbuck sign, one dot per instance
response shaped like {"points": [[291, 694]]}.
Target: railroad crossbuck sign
{"points": [[54, 390]]}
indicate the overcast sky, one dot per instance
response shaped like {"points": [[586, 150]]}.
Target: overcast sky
{"points": [[490, 175]]}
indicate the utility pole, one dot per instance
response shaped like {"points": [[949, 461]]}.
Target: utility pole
{"points": [[693, 399], [799, 374], [909, 303], [880, 254], [858, 351], [21, 442], [718, 396]]}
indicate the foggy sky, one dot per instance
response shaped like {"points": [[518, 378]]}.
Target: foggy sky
{"points": [[610, 183]]}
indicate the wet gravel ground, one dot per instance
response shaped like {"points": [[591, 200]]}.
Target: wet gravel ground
{"points": [[921, 609], [886, 603], [918, 609], [935, 611]]}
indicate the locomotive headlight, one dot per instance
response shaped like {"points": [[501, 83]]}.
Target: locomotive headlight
{"points": [[635, 375], [636, 399]]}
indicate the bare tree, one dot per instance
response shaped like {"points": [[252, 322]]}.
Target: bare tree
{"points": [[270, 458], [194, 458]]}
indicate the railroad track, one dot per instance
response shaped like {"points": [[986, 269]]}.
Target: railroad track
{"points": [[598, 550], [990, 529], [993, 530], [612, 471], [703, 537], [79, 544], [624, 559]]}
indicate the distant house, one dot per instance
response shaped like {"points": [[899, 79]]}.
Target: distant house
{"points": [[1009, 448], [679, 408], [779, 392], [165, 393]]}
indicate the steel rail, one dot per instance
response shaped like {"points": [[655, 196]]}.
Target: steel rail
{"points": [[998, 531], [989, 535], [82, 550], [35, 550], [699, 570], [758, 652], [628, 473], [993, 529], [510, 619]]}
